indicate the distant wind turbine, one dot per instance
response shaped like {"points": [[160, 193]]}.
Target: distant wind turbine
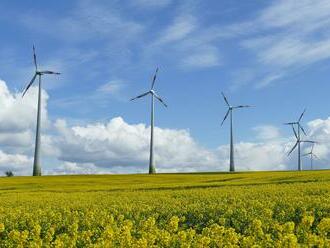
{"points": [[230, 112], [312, 155], [153, 94], [298, 137], [36, 163]]}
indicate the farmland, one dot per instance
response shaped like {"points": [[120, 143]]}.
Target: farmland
{"points": [[265, 209]]}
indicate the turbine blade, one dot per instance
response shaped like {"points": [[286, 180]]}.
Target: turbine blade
{"points": [[301, 116], [308, 141], [35, 58], [29, 85], [294, 131], [243, 106], [302, 129], [50, 72], [306, 154], [295, 145], [225, 98], [139, 96], [160, 99], [154, 79], [225, 117]]}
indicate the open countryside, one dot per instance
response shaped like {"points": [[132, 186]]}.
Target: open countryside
{"points": [[265, 209]]}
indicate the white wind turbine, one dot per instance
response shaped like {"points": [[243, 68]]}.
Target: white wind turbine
{"points": [[230, 112], [39, 73], [154, 95]]}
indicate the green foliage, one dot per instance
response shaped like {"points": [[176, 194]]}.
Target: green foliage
{"points": [[265, 209], [9, 174]]}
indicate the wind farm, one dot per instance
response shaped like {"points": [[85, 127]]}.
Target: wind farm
{"points": [[171, 124]]}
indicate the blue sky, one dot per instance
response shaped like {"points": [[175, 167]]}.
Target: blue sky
{"points": [[271, 54]]}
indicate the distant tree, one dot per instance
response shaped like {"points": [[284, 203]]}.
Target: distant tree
{"points": [[9, 173]]}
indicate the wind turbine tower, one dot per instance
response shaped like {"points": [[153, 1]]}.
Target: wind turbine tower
{"points": [[38, 73], [152, 92]]}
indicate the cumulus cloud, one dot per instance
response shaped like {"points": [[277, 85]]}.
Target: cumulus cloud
{"points": [[18, 114], [14, 162], [320, 132], [75, 168], [267, 132], [18, 119], [119, 144]]}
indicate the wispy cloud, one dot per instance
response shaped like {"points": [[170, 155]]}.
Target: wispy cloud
{"points": [[151, 4], [112, 87], [289, 35], [204, 57], [100, 96], [181, 27]]}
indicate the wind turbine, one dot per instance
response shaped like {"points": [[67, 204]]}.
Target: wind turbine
{"points": [[154, 95], [38, 73], [312, 155], [230, 112], [298, 138]]}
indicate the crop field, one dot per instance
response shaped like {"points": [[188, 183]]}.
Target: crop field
{"points": [[257, 209]]}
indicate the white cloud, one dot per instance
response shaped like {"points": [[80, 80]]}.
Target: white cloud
{"points": [[75, 168], [269, 79], [286, 36], [320, 132], [18, 114], [303, 14], [203, 57], [14, 162], [267, 132], [112, 87], [181, 27], [117, 143], [18, 119], [89, 20], [151, 4], [267, 155]]}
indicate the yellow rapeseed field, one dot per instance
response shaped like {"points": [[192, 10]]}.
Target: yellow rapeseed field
{"points": [[260, 209]]}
